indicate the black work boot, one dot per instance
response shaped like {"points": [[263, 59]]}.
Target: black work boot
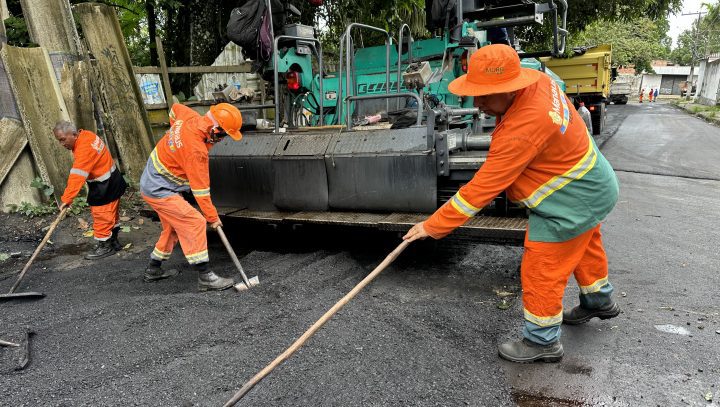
{"points": [[580, 315], [209, 281], [101, 249], [154, 272], [114, 239], [526, 351]]}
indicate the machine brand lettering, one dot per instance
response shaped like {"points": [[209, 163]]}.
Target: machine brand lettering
{"points": [[378, 87]]}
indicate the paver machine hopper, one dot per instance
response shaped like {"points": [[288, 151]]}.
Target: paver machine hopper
{"points": [[325, 161]]}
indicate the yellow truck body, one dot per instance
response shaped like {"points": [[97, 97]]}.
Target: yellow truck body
{"points": [[588, 73], [587, 79]]}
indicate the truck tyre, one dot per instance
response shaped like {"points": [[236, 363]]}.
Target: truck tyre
{"points": [[598, 119]]}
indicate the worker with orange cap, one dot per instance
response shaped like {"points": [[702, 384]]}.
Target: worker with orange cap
{"points": [[543, 156], [180, 163]]}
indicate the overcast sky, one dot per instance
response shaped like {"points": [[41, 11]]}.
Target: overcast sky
{"points": [[680, 23]]}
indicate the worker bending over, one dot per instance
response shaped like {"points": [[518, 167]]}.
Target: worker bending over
{"points": [[543, 156], [179, 163], [93, 164]]}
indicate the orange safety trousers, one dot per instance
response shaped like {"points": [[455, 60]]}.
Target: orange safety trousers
{"points": [[544, 273], [182, 222], [105, 218]]}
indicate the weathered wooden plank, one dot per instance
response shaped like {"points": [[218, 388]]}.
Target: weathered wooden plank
{"points": [[12, 143], [16, 188], [76, 90], [120, 95], [164, 72], [50, 23], [41, 105]]}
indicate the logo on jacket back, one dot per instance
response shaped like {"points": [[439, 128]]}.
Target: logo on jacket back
{"points": [[98, 144], [555, 115], [174, 141]]}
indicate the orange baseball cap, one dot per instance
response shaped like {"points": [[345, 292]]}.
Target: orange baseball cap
{"points": [[494, 69]]}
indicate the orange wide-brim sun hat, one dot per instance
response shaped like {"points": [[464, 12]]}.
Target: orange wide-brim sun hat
{"points": [[494, 69]]}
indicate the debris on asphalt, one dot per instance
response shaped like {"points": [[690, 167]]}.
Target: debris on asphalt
{"points": [[88, 233], [672, 329], [4, 256], [709, 396], [504, 304], [82, 224]]}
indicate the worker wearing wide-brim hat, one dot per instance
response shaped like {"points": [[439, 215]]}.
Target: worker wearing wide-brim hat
{"points": [[543, 156]]}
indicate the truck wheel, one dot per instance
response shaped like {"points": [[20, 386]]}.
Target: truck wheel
{"points": [[598, 120]]}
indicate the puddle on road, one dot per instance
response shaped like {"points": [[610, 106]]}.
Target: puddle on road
{"points": [[65, 250], [672, 329], [576, 369], [536, 400]]}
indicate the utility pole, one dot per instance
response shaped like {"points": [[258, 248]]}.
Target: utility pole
{"points": [[694, 52]]}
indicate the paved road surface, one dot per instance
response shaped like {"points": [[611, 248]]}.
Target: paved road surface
{"points": [[424, 333]]}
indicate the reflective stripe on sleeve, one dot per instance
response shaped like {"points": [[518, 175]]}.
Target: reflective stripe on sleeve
{"points": [[462, 206], [78, 171], [201, 192]]}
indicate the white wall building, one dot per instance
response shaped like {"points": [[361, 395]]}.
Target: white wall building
{"points": [[667, 78]]}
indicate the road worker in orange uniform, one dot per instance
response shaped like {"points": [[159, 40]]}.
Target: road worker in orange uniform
{"points": [[93, 164], [543, 156], [179, 163]]}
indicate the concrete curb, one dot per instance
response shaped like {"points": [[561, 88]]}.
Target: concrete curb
{"points": [[709, 116]]}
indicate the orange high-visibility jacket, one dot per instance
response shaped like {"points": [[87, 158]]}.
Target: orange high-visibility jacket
{"points": [[91, 162], [180, 161], [543, 156]]}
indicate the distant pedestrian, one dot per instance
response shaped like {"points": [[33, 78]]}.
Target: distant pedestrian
{"points": [[650, 95], [656, 95], [92, 164], [586, 116], [640, 96]]}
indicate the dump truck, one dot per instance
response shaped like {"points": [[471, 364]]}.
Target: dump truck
{"points": [[620, 90], [586, 74], [326, 161]]}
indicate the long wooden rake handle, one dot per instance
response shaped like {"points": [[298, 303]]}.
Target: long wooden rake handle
{"points": [[49, 233], [316, 326]]}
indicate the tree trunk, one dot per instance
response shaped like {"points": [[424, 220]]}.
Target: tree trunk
{"points": [[206, 31], [152, 31]]}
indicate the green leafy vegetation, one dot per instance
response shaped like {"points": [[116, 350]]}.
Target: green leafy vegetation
{"points": [[78, 206], [636, 42], [701, 40]]}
